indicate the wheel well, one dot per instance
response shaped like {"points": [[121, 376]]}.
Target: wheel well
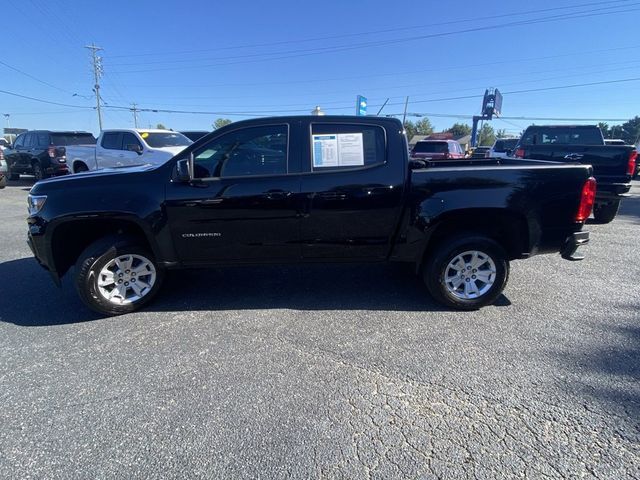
{"points": [[78, 162], [70, 239], [510, 231]]}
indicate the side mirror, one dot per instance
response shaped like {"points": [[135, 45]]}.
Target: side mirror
{"points": [[135, 148], [183, 172], [417, 164]]}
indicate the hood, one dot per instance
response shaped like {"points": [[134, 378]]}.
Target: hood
{"points": [[172, 150], [78, 179]]}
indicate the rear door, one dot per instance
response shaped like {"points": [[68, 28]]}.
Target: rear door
{"points": [[352, 189], [244, 205], [108, 152]]}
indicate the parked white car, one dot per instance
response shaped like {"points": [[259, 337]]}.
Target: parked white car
{"points": [[125, 148], [503, 148]]}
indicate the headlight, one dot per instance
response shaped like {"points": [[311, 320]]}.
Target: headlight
{"points": [[36, 202]]}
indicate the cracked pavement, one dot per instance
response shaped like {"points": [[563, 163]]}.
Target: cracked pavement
{"points": [[325, 371]]}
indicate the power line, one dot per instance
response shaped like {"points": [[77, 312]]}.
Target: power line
{"points": [[372, 32], [324, 50]]}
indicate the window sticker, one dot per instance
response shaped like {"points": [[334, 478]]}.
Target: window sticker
{"points": [[338, 150]]}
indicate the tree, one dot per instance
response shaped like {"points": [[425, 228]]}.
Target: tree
{"points": [[161, 126], [220, 122], [486, 135], [422, 127], [459, 130], [604, 128], [630, 131], [501, 133]]}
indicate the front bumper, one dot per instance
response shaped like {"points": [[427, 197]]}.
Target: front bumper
{"points": [[572, 243]]}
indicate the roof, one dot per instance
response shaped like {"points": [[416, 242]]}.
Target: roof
{"points": [[139, 130]]}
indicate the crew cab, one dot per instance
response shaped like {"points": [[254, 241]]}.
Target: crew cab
{"points": [[306, 189], [613, 165], [127, 147], [42, 153]]}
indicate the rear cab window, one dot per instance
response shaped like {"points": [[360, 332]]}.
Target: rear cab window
{"points": [[343, 146], [431, 147], [563, 136], [71, 138]]}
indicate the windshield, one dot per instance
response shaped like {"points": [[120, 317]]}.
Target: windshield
{"points": [[165, 139], [68, 138], [431, 147], [504, 145]]}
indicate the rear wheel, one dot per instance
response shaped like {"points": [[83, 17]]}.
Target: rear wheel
{"points": [[467, 272], [37, 171], [606, 212], [116, 276]]}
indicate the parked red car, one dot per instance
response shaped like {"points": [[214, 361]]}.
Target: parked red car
{"points": [[437, 150]]}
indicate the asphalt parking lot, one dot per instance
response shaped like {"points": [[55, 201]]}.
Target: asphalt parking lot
{"points": [[325, 372]]}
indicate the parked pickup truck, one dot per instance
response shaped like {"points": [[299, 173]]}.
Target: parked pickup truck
{"points": [[306, 189], [613, 165], [127, 147]]}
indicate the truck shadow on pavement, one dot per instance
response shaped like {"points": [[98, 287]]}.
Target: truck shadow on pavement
{"points": [[29, 298]]}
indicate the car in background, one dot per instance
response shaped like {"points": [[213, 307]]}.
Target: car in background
{"points": [[503, 148], [116, 148], [437, 150], [481, 152], [4, 143], [42, 153], [194, 135], [4, 171]]}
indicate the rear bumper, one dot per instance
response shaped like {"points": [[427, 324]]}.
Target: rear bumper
{"points": [[574, 241], [612, 191], [56, 169]]}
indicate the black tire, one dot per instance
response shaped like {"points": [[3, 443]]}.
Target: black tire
{"points": [[605, 213], [14, 177], [38, 172], [436, 267], [95, 257]]}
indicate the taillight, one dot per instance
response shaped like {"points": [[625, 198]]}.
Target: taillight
{"points": [[1, 154], [52, 152], [587, 198], [519, 153], [631, 165]]}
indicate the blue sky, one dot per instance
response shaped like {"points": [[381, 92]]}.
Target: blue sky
{"points": [[244, 59]]}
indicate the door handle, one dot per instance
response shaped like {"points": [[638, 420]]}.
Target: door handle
{"points": [[573, 156], [276, 194]]}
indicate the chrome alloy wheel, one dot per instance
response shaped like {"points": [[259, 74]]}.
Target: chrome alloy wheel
{"points": [[126, 279], [470, 275]]}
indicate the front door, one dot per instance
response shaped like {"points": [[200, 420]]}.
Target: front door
{"points": [[243, 204]]}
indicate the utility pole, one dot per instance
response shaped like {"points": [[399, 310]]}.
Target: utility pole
{"points": [[97, 73], [7, 115], [135, 110]]}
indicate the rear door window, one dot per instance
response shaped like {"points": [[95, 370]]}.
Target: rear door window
{"points": [[43, 139], [72, 138], [112, 140], [344, 146]]}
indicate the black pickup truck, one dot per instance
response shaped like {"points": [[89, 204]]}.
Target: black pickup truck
{"points": [[613, 165], [306, 189]]}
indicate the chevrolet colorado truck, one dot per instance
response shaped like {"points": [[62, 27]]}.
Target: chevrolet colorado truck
{"points": [[613, 165], [306, 189]]}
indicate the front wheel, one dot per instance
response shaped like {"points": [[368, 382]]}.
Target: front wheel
{"points": [[606, 212], [117, 276], [38, 173], [467, 272]]}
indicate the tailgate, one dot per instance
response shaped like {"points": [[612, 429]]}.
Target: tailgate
{"points": [[609, 161]]}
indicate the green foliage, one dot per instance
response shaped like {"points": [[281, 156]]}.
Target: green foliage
{"points": [[161, 126], [604, 128], [486, 135], [459, 130], [501, 133], [221, 122], [422, 127]]}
